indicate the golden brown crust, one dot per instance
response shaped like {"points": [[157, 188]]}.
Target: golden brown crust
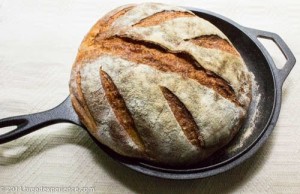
{"points": [[99, 30], [80, 105], [86, 119]]}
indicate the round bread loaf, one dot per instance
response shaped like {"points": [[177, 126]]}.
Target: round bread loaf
{"points": [[157, 82]]}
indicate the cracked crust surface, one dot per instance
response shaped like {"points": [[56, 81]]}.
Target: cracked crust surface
{"points": [[156, 82]]}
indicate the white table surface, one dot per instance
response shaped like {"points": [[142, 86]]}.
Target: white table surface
{"points": [[38, 44]]}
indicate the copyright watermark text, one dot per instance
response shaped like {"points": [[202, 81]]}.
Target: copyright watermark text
{"points": [[45, 189]]}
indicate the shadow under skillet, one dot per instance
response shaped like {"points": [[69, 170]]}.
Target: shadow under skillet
{"points": [[222, 183], [139, 183]]}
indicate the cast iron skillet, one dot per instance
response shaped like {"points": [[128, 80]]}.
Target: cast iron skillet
{"points": [[268, 77]]}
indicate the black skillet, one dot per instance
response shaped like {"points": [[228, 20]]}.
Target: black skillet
{"points": [[268, 77]]}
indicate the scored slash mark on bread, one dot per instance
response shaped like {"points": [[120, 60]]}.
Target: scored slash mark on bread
{"points": [[119, 107], [169, 86], [156, 18], [214, 41], [183, 117]]}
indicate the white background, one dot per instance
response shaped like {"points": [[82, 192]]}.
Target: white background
{"points": [[38, 44]]}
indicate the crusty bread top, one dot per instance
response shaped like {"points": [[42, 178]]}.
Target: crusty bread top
{"points": [[155, 81]]}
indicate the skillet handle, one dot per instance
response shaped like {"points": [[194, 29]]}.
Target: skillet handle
{"points": [[282, 73], [29, 123]]}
